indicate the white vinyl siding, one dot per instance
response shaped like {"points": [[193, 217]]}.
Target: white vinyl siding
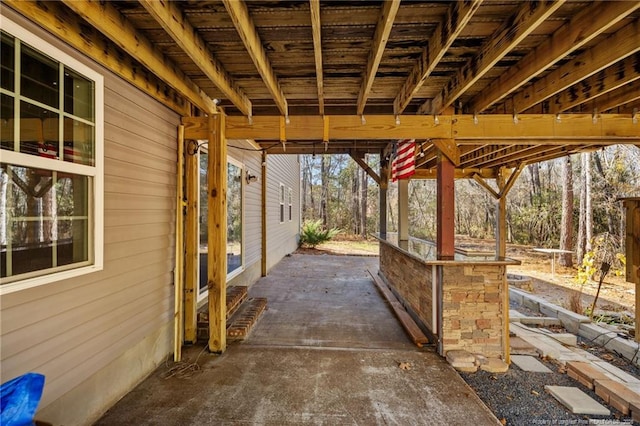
{"points": [[73, 329], [282, 239]]}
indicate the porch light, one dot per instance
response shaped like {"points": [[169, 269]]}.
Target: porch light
{"points": [[250, 178]]}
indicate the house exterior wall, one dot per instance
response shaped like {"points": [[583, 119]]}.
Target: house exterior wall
{"points": [[282, 238], [97, 335], [243, 152]]}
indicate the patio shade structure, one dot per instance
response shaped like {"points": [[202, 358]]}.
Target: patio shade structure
{"points": [[484, 87]]}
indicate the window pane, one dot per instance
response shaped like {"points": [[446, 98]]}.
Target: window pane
{"points": [[234, 217], [39, 78], [7, 63], [204, 220], [38, 131], [45, 222], [6, 123], [78, 95], [78, 142]]}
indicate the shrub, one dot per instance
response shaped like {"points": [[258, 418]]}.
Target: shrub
{"points": [[313, 233]]}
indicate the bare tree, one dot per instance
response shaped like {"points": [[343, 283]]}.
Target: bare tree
{"points": [[566, 228]]}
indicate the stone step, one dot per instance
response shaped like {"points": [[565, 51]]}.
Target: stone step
{"points": [[577, 401]]}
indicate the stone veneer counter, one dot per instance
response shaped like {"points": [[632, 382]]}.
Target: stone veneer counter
{"points": [[463, 302]]}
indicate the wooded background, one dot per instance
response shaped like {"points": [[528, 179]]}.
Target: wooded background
{"points": [[559, 203]]}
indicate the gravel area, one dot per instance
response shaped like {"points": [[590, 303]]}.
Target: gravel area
{"points": [[518, 397]]}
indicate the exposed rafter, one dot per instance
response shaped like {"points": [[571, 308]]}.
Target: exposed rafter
{"points": [[380, 38], [246, 29], [106, 19], [169, 16], [623, 43], [622, 96], [507, 36], [611, 78], [582, 28], [316, 27], [458, 15]]}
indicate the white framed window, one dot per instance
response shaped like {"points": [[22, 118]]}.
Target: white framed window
{"points": [[290, 202], [51, 163], [235, 219], [282, 203]]}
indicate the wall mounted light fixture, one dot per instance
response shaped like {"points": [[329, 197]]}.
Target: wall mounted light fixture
{"points": [[250, 178]]}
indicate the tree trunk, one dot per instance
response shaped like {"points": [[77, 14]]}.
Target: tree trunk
{"points": [[355, 203], [581, 242], [325, 190], [588, 225], [566, 230], [363, 201]]}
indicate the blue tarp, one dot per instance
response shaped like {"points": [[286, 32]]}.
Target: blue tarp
{"points": [[19, 399]]}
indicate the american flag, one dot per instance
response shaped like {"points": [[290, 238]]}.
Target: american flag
{"points": [[404, 161]]}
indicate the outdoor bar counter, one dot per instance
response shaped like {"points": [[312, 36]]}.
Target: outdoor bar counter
{"points": [[463, 302]]}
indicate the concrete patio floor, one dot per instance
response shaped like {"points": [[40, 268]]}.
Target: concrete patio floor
{"points": [[327, 351]]}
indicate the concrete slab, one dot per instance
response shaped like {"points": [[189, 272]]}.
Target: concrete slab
{"points": [[520, 347], [577, 401], [529, 363], [327, 351]]}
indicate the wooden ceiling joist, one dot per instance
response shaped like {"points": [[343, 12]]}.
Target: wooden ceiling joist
{"points": [[619, 75], [624, 95], [457, 17], [614, 48], [316, 28], [380, 38], [582, 28], [239, 13], [360, 161], [171, 18], [109, 21], [529, 16], [58, 20], [458, 173]]}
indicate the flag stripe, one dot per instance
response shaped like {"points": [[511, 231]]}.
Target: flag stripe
{"points": [[403, 164]]}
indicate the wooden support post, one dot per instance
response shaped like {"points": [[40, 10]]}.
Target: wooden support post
{"points": [[217, 242], [403, 210], [384, 185], [501, 225], [178, 276], [192, 245], [264, 215], [445, 224]]}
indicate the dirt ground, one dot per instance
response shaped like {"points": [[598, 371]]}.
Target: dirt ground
{"points": [[616, 294]]}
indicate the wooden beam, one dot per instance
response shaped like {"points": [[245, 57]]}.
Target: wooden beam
{"points": [[239, 13], [445, 209], [515, 29], [504, 190], [172, 20], [316, 29], [582, 28], [449, 148], [613, 127], [589, 62], [66, 25], [109, 21], [486, 186], [217, 238], [380, 38], [365, 167], [622, 96], [458, 174], [609, 79], [178, 268], [348, 127], [457, 17], [192, 243]]}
